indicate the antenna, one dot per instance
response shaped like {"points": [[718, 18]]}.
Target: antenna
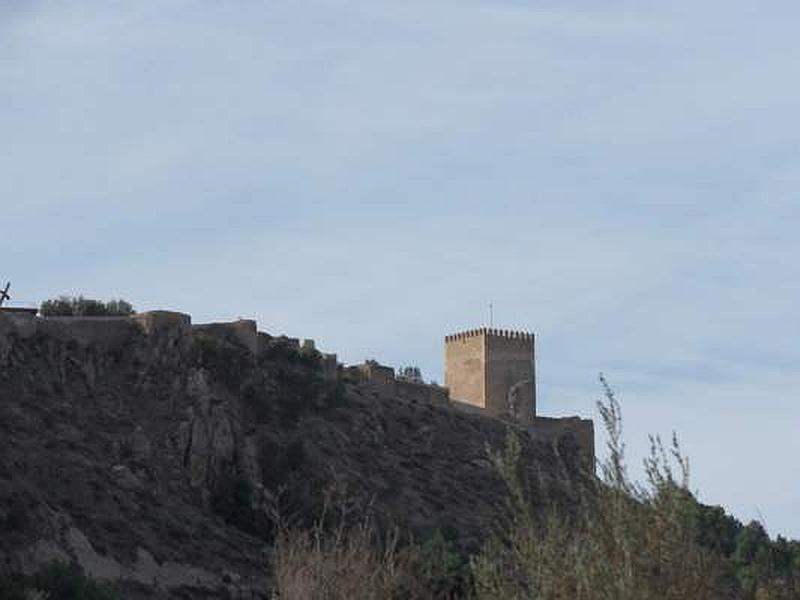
{"points": [[491, 315], [4, 293]]}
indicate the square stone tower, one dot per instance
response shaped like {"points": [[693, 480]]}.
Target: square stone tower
{"points": [[494, 370]]}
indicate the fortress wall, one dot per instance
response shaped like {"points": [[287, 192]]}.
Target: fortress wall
{"points": [[14, 325], [104, 332], [551, 429], [243, 332], [330, 366], [380, 374], [469, 408], [157, 321], [20, 324], [422, 392], [380, 377], [263, 342], [174, 327], [510, 360], [465, 367]]}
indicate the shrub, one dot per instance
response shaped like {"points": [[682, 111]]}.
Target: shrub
{"points": [[13, 588], [63, 581], [281, 462], [440, 569], [232, 500], [310, 357], [351, 561], [411, 373], [70, 306], [18, 516], [228, 363], [630, 541], [55, 581], [623, 540]]}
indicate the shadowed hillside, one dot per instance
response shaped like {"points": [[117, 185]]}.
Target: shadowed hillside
{"points": [[157, 454]]}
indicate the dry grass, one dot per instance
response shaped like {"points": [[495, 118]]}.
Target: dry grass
{"points": [[623, 541], [618, 540], [346, 561]]}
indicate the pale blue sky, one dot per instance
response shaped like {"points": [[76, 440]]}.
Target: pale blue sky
{"points": [[623, 180]]}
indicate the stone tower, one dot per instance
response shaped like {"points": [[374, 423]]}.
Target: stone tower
{"points": [[494, 370]]}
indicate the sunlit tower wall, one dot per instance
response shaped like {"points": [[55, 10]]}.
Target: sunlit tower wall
{"points": [[483, 367]]}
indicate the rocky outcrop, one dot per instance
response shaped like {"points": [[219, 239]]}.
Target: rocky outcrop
{"points": [[155, 454]]}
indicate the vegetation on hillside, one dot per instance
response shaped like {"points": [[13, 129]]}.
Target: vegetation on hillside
{"points": [[621, 540], [72, 306], [55, 581]]}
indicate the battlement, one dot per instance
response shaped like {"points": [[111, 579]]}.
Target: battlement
{"points": [[522, 336], [488, 370]]}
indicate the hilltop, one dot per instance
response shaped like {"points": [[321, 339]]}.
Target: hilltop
{"points": [[156, 453]]}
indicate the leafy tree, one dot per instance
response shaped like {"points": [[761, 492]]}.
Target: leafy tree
{"points": [[410, 373], [70, 306]]}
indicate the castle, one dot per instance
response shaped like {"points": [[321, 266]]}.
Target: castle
{"points": [[487, 371], [493, 370]]}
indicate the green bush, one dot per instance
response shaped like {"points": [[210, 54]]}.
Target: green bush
{"points": [[70, 306], [55, 581], [13, 588], [232, 500], [440, 568], [62, 581], [604, 539], [228, 363], [622, 540], [629, 541]]}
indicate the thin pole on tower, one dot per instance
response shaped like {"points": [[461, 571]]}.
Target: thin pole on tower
{"points": [[491, 315]]}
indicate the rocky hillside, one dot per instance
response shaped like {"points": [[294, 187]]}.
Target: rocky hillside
{"points": [[156, 454]]}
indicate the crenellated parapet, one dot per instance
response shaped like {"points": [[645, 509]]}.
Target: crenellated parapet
{"points": [[507, 334]]}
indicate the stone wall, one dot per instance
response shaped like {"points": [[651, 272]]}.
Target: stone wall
{"points": [[580, 430], [483, 365], [243, 332], [103, 332], [156, 321], [510, 363], [330, 366], [381, 379], [375, 375], [22, 325], [465, 368], [422, 392]]}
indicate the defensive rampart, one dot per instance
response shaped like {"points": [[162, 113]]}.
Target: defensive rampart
{"points": [[243, 332], [580, 430], [383, 381], [483, 365]]}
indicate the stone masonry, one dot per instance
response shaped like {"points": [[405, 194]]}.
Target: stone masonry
{"points": [[494, 370]]}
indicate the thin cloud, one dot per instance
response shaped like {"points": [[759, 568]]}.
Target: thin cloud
{"points": [[373, 174]]}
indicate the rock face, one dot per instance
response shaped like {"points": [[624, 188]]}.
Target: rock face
{"points": [[154, 456]]}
